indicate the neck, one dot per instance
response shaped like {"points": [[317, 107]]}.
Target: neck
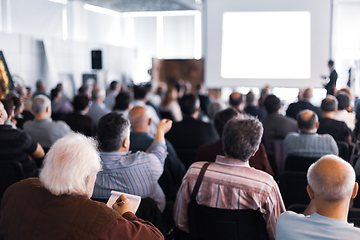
{"points": [[314, 130], [41, 116], [335, 210], [328, 114], [140, 129]]}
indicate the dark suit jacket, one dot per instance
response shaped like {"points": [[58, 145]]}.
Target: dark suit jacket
{"points": [[337, 129], [80, 123], [141, 141], [295, 108], [255, 111], [208, 152], [332, 82], [277, 126]]}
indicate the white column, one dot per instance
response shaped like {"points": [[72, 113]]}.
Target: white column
{"points": [[77, 21]]}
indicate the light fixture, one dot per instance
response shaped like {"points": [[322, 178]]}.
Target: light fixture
{"points": [[101, 10], [59, 1]]}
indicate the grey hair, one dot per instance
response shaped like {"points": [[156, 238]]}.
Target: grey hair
{"points": [[242, 136], [40, 103], [332, 184], [68, 163]]}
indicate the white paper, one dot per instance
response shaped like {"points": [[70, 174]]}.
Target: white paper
{"points": [[115, 195]]}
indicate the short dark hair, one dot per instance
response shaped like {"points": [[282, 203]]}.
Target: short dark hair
{"points": [[188, 104], [111, 131], [84, 89], [250, 98], [222, 117], [343, 101], [39, 84], [54, 93], [113, 85], [235, 101], [80, 102], [140, 91], [329, 104], [331, 63], [122, 101], [272, 103], [306, 124], [241, 136]]}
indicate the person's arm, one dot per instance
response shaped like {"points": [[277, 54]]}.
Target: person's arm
{"points": [[39, 152], [163, 127]]}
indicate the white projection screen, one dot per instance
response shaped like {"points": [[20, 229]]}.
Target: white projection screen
{"points": [[256, 43]]}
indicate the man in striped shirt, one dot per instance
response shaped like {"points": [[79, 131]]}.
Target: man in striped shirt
{"points": [[230, 182], [136, 173]]}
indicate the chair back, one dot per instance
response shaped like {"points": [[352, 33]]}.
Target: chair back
{"points": [[207, 223], [276, 155], [10, 173], [344, 151], [298, 163], [187, 156], [293, 188]]}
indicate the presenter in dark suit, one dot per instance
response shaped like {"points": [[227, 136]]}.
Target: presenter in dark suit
{"points": [[331, 85]]}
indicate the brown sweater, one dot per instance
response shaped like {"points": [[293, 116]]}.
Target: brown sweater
{"points": [[29, 211]]}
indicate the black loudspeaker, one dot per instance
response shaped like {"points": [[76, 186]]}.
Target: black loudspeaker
{"points": [[96, 59]]}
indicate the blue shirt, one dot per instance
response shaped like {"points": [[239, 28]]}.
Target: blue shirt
{"points": [[136, 174], [291, 225]]}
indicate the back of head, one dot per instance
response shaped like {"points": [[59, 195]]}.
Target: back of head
{"points": [[241, 137], [343, 100], [39, 84], [170, 96], [250, 98], [3, 113], [307, 120], [329, 104], [54, 94], [139, 117], [98, 94], [330, 63], [222, 117], [68, 163], [331, 178], [111, 131], [122, 101], [140, 92], [308, 94], [113, 85], [80, 102], [40, 103], [235, 99], [214, 108], [188, 104], [272, 103]]}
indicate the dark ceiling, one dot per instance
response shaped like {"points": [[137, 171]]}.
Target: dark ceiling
{"points": [[146, 5]]}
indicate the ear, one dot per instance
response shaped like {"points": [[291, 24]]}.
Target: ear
{"points": [[126, 143], [149, 121], [198, 109], [310, 192], [317, 124], [355, 190], [255, 151], [48, 109]]}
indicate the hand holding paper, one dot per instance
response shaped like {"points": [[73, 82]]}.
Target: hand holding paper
{"points": [[123, 202]]}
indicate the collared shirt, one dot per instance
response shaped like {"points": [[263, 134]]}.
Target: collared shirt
{"points": [[310, 145], [295, 226], [136, 174], [230, 184], [46, 131]]}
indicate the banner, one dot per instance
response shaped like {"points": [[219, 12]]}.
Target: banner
{"points": [[6, 83]]}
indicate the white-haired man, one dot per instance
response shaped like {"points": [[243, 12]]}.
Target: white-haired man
{"points": [[331, 187], [58, 205], [43, 129]]}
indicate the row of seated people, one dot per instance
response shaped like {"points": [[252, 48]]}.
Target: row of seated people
{"points": [[69, 178], [191, 102]]}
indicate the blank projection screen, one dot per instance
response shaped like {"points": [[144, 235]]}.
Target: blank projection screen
{"points": [[257, 43]]}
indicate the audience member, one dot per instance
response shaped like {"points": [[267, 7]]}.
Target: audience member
{"points": [[337, 129], [123, 103], [342, 114], [12, 103], [78, 121], [331, 187], [208, 152], [114, 90], [230, 182], [17, 145], [308, 143], [204, 98], [40, 88], [97, 108], [215, 107], [85, 90], [59, 105], [58, 206], [43, 129], [141, 140], [136, 173], [276, 126], [252, 109], [236, 100], [140, 99], [304, 103], [190, 133], [170, 104]]}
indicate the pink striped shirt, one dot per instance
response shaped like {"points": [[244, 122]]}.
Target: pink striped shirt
{"points": [[231, 184]]}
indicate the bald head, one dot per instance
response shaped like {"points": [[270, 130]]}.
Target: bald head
{"points": [[307, 121], [331, 179], [140, 119], [235, 99], [3, 114], [308, 94]]}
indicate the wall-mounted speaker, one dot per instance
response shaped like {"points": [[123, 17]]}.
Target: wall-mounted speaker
{"points": [[96, 59]]}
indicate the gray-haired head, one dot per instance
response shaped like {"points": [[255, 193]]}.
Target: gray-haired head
{"points": [[40, 103], [331, 178], [241, 136], [329, 104]]}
